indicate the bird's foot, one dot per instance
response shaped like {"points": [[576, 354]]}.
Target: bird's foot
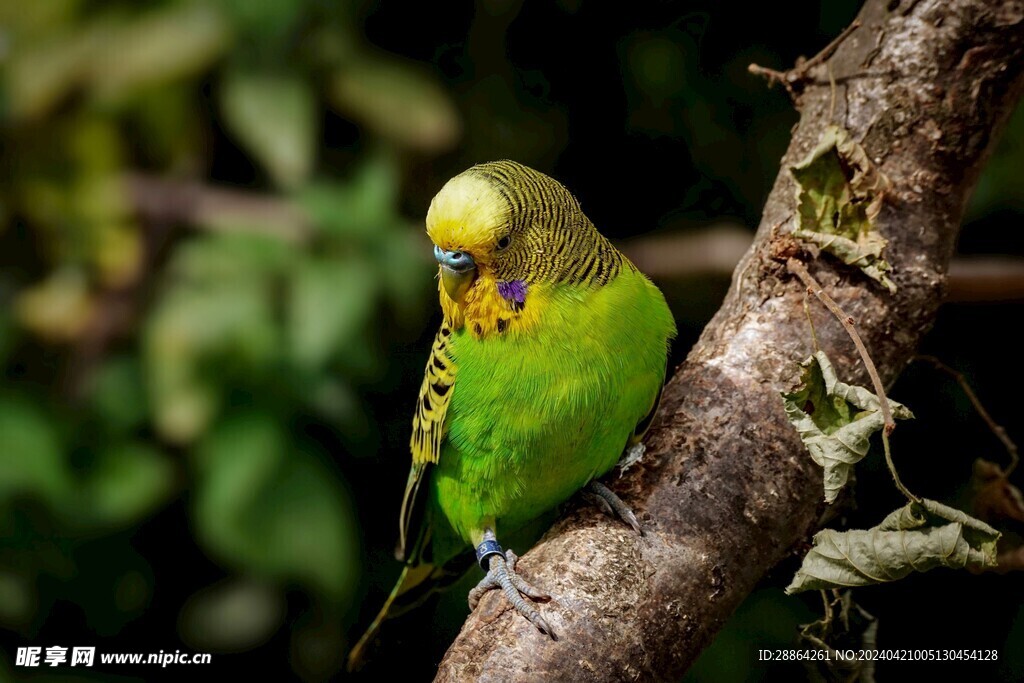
{"points": [[631, 456], [613, 505], [502, 574]]}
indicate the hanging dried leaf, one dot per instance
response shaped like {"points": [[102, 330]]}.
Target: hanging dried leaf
{"points": [[839, 195], [916, 537], [835, 420]]}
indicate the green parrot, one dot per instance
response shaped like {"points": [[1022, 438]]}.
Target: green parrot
{"points": [[548, 364]]}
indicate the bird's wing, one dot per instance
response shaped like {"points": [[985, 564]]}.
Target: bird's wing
{"points": [[428, 428]]}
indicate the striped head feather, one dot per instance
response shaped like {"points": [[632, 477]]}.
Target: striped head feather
{"points": [[522, 228]]}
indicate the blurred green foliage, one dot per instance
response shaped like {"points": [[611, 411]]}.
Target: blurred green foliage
{"points": [[154, 359]]}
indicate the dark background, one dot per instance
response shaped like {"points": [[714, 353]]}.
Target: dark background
{"points": [[216, 301]]}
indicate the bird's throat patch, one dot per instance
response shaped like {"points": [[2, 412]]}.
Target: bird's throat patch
{"points": [[495, 308], [514, 292]]}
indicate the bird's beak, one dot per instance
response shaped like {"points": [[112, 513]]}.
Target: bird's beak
{"points": [[457, 272]]}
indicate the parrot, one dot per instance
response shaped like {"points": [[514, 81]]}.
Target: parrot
{"points": [[547, 367]]}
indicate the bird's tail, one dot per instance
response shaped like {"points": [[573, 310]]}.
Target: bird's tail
{"points": [[416, 584]]}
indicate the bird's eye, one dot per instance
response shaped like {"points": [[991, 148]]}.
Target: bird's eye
{"points": [[504, 242]]}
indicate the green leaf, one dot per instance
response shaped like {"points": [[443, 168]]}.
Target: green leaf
{"points": [[232, 256], [364, 207], [274, 117], [331, 302], [406, 265], [39, 73], [916, 537], [128, 482], [197, 336], [161, 45], [835, 420], [37, 18], [264, 22], [839, 195], [31, 456], [118, 393], [399, 101], [268, 507]]}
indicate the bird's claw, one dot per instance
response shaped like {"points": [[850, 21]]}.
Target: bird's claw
{"points": [[502, 574], [631, 456], [613, 505]]}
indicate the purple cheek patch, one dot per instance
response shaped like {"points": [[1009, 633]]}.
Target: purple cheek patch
{"points": [[513, 291]]}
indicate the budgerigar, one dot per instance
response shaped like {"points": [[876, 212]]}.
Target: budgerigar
{"points": [[548, 364]]}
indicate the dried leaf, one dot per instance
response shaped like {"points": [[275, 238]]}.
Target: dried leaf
{"points": [[916, 537], [995, 498], [839, 196], [835, 420]]}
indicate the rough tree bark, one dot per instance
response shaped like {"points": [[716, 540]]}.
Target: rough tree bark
{"points": [[726, 489]]}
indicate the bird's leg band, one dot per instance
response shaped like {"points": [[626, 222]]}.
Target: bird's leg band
{"points": [[501, 573], [487, 548]]}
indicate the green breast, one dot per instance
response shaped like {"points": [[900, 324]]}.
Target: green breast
{"points": [[535, 416]]}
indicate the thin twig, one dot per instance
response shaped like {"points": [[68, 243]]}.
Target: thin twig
{"points": [[829, 49], [995, 427], [892, 470], [773, 76], [828, 609], [832, 95], [799, 73], [810, 323], [797, 268]]}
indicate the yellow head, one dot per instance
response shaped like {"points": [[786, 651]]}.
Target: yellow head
{"points": [[469, 215], [518, 224], [502, 233]]}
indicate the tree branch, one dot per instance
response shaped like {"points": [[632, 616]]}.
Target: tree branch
{"points": [[726, 488]]}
